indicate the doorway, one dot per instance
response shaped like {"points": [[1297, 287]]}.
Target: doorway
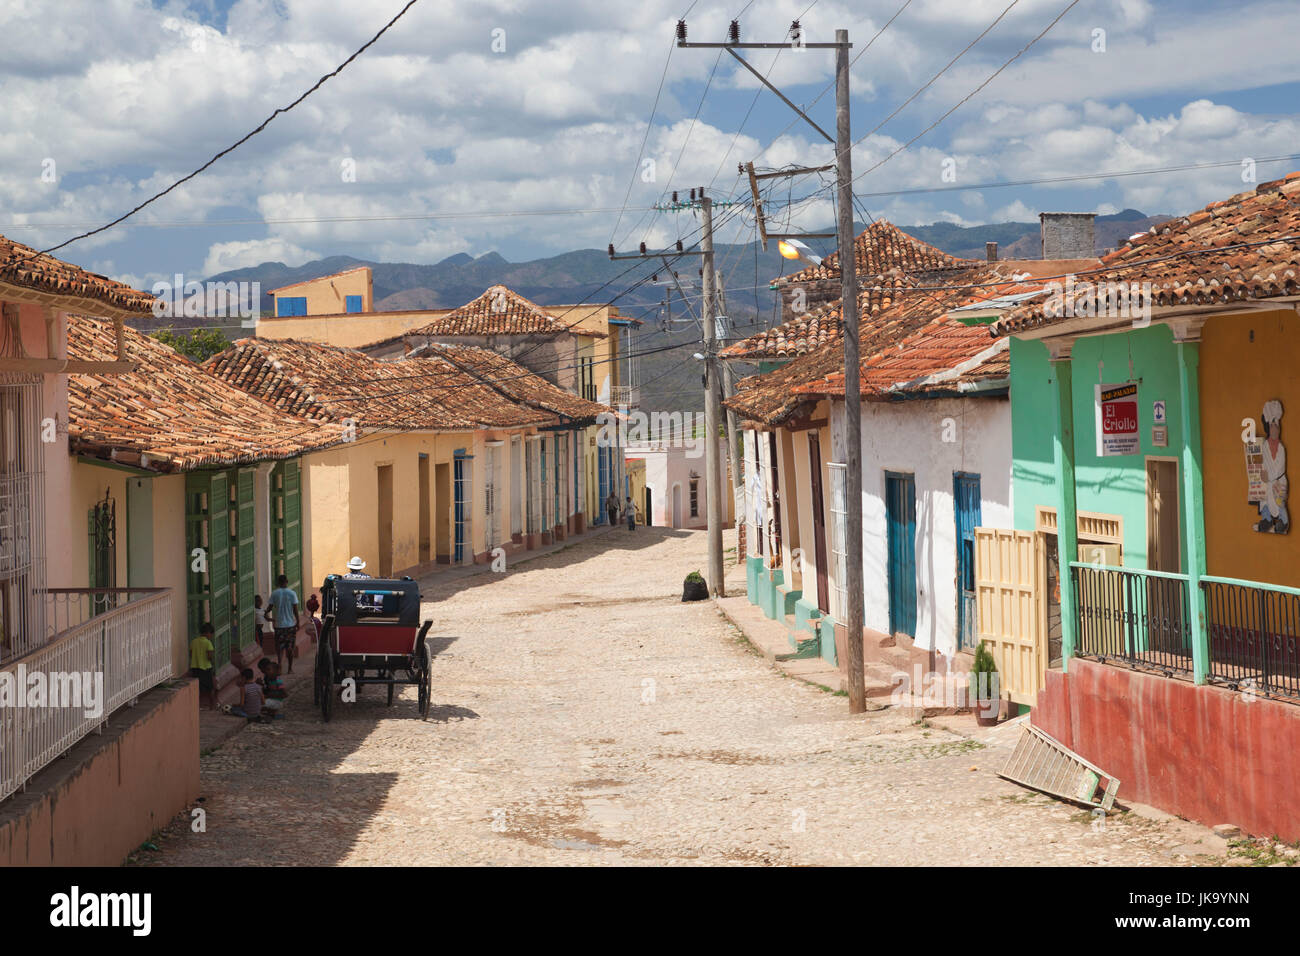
{"points": [[966, 506], [677, 506], [442, 512], [1166, 598], [426, 533], [900, 510], [819, 522], [385, 521], [649, 511]]}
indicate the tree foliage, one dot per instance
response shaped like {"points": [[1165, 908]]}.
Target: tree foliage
{"points": [[197, 345]]}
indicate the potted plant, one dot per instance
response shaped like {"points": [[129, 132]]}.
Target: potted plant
{"points": [[694, 588], [982, 687]]}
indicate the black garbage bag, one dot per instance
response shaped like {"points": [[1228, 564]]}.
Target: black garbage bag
{"points": [[694, 588]]}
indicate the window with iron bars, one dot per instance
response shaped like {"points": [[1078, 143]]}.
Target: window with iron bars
{"points": [[22, 510], [839, 552]]}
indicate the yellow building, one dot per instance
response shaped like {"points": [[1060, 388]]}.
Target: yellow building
{"points": [[440, 465], [183, 481]]}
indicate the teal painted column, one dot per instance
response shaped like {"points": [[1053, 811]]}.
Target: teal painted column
{"points": [[1189, 357], [1067, 522]]}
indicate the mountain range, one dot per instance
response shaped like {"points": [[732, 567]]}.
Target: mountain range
{"points": [[669, 379]]}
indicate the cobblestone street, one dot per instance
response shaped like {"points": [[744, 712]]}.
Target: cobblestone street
{"points": [[583, 715]]}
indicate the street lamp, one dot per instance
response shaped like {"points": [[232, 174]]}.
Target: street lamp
{"points": [[794, 249]]}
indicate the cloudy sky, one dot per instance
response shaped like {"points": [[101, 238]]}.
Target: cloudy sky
{"points": [[466, 111]]}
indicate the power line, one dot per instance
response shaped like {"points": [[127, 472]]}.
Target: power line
{"points": [[266, 122]]}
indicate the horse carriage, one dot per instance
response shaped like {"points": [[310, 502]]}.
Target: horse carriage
{"points": [[372, 635]]}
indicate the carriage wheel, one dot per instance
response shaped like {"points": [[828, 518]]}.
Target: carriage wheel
{"points": [[424, 670], [325, 677]]}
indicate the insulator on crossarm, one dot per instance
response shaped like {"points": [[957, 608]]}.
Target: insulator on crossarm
{"points": [[643, 248], [733, 32], [611, 250], [681, 31], [679, 245]]}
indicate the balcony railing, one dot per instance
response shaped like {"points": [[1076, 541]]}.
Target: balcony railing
{"points": [[1252, 634], [625, 395], [1133, 617], [115, 644]]}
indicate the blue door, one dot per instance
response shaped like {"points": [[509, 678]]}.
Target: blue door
{"points": [[602, 461], [460, 504], [900, 509], [966, 505]]}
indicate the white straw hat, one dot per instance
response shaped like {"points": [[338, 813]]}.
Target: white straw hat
{"points": [[356, 564]]}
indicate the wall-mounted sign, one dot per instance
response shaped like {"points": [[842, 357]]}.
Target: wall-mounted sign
{"points": [[1158, 412], [1266, 480], [1160, 436], [1117, 419]]}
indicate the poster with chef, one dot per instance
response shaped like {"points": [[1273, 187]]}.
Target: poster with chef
{"points": [[1117, 419], [1273, 515]]}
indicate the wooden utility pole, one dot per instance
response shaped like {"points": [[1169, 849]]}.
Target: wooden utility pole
{"points": [[849, 305], [712, 406], [733, 426], [712, 374], [853, 585]]}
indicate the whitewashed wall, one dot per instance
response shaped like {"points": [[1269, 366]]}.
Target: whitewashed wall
{"points": [[911, 437]]}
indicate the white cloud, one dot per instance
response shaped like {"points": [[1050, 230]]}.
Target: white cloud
{"points": [[224, 256]]}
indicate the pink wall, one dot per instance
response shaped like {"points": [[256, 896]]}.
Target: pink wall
{"points": [[1204, 753], [106, 796]]}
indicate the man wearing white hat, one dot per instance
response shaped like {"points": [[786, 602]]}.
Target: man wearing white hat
{"points": [[356, 568]]}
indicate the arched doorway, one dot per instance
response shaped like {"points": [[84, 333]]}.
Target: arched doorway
{"points": [[677, 506]]}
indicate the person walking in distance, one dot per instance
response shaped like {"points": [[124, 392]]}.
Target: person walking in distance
{"points": [[611, 507], [286, 618], [629, 514]]}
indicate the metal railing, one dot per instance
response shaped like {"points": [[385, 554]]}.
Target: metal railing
{"points": [[1133, 617], [118, 646], [628, 396], [1252, 633]]}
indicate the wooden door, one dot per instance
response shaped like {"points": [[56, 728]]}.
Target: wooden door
{"points": [[1009, 613], [1164, 612], [819, 521], [776, 501], [900, 510], [385, 521], [426, 512]]}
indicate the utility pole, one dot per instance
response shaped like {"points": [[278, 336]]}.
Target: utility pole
{"points": [[712, 376], [843, 144], [733, 425], [852, 392], [712, 406]]}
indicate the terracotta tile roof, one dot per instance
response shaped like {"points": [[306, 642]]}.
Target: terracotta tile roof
{"points": [[56, 277], [912, 346], [512, 380], [819, 327], [1266, 218], [330, 383], [170, 414], [881, 248], [498, 311]]}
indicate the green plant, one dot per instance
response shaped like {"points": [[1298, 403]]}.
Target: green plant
{"points": [[983, 674], [198, 345], [695, 578]]}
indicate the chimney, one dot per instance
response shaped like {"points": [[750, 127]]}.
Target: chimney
{"points": [[991, 251], [1068, 235]]}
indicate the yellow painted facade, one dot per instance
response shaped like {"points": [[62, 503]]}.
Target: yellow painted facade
{"points": [[1247, 359], [342, 500], [349, 331], [328, 294], [167, 557]]}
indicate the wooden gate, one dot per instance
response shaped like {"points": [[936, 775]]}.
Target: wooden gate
{"points": [[1008, 601]]}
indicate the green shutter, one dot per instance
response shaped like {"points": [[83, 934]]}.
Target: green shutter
{"points": [[293, 526], [207, 527], [286, 523], [245, 554]]}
